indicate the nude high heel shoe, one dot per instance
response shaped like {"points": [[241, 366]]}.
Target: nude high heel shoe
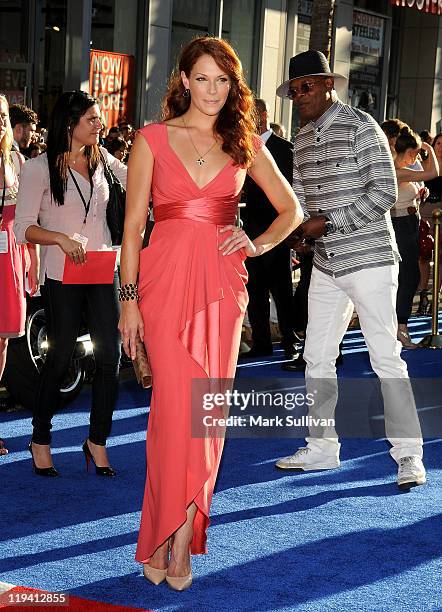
{"points": [[179, 583], [154, 575]]}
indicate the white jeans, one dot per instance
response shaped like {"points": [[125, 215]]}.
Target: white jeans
{"points": [[330, 306]]}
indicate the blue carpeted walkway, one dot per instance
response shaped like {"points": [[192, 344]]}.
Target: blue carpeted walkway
{"points": [[344, 540]]}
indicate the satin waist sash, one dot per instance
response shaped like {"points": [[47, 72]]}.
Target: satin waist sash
{"points": [[220, 211]]}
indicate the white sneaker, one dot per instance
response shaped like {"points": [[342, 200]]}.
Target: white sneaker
{"points": [[411, 472], [308, 459]]}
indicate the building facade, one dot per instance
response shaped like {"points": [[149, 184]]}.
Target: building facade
{"points": [[391, 55]]}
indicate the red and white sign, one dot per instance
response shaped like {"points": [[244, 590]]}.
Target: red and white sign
{"points": [[111, 82], [426, 6]]}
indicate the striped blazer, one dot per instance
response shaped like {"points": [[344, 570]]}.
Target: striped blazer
{"points": [[343, 169]]}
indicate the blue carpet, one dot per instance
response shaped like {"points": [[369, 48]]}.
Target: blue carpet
{"points": [[344, 540]]}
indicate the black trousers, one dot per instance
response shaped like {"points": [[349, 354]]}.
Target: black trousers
{"points": [[65, 305], [270, 273], [301, 293], [407, 238]]}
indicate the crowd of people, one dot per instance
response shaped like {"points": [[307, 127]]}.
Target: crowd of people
{"points": [[343, 197], [30, 139], [417, 171]]}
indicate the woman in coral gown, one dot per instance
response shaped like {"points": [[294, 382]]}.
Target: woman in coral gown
{"points": [[191, 283]]}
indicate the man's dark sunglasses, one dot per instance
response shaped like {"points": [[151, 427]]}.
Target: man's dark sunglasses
{"points": [[304, 88]]}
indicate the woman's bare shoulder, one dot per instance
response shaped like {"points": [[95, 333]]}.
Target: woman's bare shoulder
{"points": [[174, 122], [174, 126]]}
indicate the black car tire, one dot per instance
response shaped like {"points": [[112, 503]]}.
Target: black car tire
{"points": [[23, 364]]}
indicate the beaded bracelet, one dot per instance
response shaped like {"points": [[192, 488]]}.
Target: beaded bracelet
{"points": [[128, 292]]}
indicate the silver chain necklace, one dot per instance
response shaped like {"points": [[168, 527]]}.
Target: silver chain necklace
{"points": [[200, 161]]}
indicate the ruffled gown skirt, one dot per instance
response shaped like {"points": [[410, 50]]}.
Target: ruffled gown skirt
{"points": [[193, 300]]}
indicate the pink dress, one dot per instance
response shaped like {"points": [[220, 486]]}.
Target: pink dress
{"points": [[193, 300], [12, 267]]}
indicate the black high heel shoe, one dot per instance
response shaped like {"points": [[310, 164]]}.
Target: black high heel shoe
{"points": [[100, 471], [424, 303], [49, 471]]}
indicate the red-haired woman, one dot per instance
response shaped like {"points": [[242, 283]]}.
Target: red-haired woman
{"points": [[191, 283]]}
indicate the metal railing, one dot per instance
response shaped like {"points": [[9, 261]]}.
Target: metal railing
{"points": [[434, 340]]}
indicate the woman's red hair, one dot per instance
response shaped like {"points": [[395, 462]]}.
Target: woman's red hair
{"points": [[236, 120]]}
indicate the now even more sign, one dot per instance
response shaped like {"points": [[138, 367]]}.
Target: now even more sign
{"points": [[111, 82]]}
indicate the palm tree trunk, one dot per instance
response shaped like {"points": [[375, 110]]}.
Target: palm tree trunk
{"points": [[321, 27]]}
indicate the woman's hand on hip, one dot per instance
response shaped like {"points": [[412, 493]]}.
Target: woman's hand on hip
{"points": [[236, 241], [72, 248], [130, 325]]}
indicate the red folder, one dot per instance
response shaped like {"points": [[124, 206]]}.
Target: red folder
{"points": [[98, 269]]}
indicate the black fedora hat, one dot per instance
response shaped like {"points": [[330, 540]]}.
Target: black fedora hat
{"points": [[308, 63]]}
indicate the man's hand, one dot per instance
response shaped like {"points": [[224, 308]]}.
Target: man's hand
{"points": [[305, 247], [313, 227], [295, 239], [309, 230]]}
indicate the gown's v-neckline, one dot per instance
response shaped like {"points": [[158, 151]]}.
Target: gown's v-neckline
{"points": [[187, 171]]}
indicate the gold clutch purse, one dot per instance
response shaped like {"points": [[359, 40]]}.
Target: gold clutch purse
{"points": [[141, 365]]}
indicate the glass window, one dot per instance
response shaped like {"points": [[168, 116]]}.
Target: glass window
{"points": [[366, 60], [377, 6], [51, 59], [302, 44], [102, 30], [14, 70], [240, 26], [304, 25], [190, 18], [14, 31], [114, 26], [394, 67]]}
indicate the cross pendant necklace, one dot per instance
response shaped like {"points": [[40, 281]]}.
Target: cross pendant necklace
{"points": [[200, 161]]}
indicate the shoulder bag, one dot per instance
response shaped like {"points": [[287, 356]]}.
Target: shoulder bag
{"points": [[116, 206]]}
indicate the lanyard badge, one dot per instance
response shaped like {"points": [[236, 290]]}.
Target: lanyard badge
{"points": [[3, 241], [88, 205]]}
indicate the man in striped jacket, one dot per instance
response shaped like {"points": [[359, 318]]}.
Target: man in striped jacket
{"points": [[345, 180]]}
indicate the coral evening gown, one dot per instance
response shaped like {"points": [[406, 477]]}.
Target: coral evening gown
{"points": [[192, 300]]}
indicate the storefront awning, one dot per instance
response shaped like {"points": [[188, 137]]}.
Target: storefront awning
{"points": [[426, 6]]}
